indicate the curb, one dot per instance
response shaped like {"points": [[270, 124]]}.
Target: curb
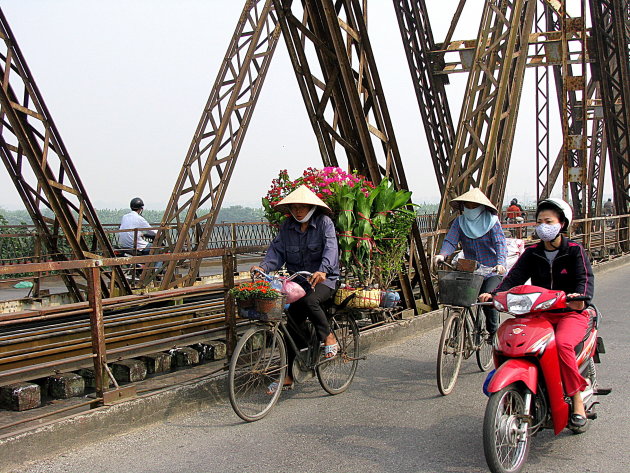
{"points": [[88, 427]]}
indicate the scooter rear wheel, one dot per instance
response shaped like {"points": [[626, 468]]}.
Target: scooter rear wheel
{"points": [[506, 436]]}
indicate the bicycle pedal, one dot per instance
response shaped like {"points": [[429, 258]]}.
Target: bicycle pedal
{"points": [[602, 391]]}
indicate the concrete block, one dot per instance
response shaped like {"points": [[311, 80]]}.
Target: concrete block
{"points": [[65, 385], [219, 349], [129, 371], [184, 356], [158, 362], [20, 396], [88, 378]]}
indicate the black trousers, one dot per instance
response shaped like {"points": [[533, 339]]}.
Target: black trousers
{"points": [[492, 315], [309, 306]]}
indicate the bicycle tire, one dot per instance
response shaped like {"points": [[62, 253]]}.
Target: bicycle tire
{"points": [[484, 349], [336, 375], [450, 352], [259, 359]]}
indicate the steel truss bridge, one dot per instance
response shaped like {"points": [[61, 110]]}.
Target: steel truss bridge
{"points": [[579, 50]]}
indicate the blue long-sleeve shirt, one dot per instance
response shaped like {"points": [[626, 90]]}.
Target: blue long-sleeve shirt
{"points": [[314, 250], [489, 249]]}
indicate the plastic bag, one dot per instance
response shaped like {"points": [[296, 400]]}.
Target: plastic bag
{"points": [[293, 291]]}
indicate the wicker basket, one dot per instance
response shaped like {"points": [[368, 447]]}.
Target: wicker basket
{"points": [[458, 287], [262, 309], [364, 298]]}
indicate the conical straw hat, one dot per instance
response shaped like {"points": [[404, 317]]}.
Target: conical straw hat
{"points": [[473, 195], [301, 195]]}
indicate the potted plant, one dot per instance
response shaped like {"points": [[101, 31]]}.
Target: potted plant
{"points": [[257, 299]]}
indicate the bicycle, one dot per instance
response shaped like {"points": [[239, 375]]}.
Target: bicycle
{"points": [[260, 359], [464, 331]]}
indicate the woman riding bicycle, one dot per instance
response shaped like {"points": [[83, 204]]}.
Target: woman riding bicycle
{"points": [[558, 263], [479, 231], [307, 241]]}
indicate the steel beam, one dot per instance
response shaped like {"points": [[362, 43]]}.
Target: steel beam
{"points": [[417, 37], [611, 29], [485, 132], [43, 173], [344, 97], [217, 142]]}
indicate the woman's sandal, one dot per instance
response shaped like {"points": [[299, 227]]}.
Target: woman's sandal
{"points": [[273, 387], [330, 351], [577, 420]]}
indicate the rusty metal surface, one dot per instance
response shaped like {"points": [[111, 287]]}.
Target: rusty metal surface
{"points": [[418, 41], [611, 25], [30, 145], [215, 147], [485, 131], [345, 100]]}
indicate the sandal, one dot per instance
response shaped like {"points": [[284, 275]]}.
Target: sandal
{"points": [[330, 351], [273, 387], [577, 420]]}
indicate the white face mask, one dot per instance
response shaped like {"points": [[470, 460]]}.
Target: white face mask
{"points": [[547, 232], [307, 217]]}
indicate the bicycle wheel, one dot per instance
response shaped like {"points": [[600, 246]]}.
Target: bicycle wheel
{"points": [[336, 375], [484, 351], [450, 352], [505, 431], [259, 360]]}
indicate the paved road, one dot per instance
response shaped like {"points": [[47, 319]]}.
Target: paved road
{"points": [[391, 420]]}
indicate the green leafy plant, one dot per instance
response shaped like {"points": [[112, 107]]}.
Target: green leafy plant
{"points": [[392, 246]]}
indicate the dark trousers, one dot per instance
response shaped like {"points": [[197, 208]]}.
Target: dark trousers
{"points": [[309, 306], [492, 315]]}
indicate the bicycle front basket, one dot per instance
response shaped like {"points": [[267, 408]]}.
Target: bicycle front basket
{"points": [[459, 287]]}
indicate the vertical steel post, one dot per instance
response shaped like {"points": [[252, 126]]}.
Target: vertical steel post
{"points": [[230, 309], [97, 329]]}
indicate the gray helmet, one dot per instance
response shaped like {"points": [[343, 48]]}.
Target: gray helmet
{"points": [[136, 203]]}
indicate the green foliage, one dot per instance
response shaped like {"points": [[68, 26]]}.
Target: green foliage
{"points": [[392, 246], [373, 230]]}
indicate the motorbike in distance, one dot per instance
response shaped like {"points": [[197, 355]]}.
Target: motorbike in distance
{"points": [[525, 390]]}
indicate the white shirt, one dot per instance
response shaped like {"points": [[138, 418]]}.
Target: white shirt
{"points": [[134, 220]]}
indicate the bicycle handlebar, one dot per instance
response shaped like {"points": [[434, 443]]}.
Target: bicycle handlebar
{"points": [[269, 277]]}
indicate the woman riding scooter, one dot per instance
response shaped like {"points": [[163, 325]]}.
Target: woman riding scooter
{"points": [[558, 263]]}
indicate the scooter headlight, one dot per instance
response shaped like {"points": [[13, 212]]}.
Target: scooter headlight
{"points": [[545, 305], [519, 304]]}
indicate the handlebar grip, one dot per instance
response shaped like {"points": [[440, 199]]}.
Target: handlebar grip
{"points": [[578, 298]]}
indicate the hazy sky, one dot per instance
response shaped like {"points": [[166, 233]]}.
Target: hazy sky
{"points": [[126, 82]]}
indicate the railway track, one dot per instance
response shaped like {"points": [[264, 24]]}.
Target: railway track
{"points": [[38, 344]]}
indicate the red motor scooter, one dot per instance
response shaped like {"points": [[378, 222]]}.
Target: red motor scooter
{"points": [[525, 390]]}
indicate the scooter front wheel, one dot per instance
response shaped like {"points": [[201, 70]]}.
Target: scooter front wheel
{"points": [[505, 431]]}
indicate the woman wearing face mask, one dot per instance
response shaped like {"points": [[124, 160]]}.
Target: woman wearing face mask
{"points": [[479, 231], [307, 241], [558, 263]]}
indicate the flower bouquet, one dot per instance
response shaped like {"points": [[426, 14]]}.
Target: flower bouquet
{"points": [[258, 300], [372, 222]]}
